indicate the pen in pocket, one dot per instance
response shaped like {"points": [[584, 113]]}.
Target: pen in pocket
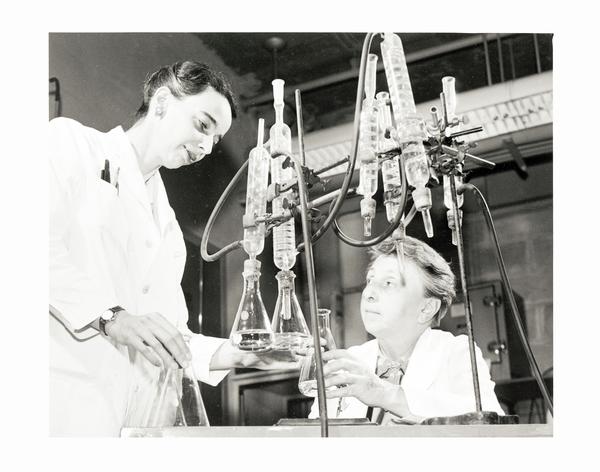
{"points": [[105, 173]]}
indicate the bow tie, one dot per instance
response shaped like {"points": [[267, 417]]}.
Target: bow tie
{"points": [[390, 370]]}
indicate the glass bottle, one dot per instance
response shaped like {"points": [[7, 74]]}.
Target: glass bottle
{"points": [[251, 329], [289, 326], [307, 381]]}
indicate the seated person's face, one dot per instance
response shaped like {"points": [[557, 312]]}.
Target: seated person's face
{"points": [[387, 307]]}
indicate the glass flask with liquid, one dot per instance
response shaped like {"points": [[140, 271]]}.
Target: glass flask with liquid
{"points": [[251, 329], [307, 381], [289, 326]]}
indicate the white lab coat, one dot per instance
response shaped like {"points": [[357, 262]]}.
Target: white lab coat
{"points": [[437, 381], [107, 248]]}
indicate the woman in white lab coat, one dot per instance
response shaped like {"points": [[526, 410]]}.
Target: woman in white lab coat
{"points": [[409, 370], [117, 253]]}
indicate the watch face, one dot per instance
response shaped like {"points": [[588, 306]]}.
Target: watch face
{"points": [[107, 315]]}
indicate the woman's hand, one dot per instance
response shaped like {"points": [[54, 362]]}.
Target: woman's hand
{"points": [[153, 336], [228, 356], [355, 379]]}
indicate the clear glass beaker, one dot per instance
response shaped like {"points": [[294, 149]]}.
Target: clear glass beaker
{"points": [[289, 326], [307, 381], [251, 329]]}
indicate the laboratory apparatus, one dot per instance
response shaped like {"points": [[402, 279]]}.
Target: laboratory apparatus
{"points": [[410, 127], [256, 196], [390, 164], [307, 381], [367, 147], [251, 329], [458, 180], [289, 326], [282, 173], [164, 397], [449, 93], [409, 153]]}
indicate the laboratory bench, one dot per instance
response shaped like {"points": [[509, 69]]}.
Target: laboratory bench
{"points": [[349, 431]]}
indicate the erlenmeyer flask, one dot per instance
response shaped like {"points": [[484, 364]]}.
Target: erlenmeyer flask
{"points": [[251, 329], [307, 382], [289, 326], [190, 410], [164, 397]]}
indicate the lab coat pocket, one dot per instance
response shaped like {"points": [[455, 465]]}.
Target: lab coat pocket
{"points": [[112, 220]]}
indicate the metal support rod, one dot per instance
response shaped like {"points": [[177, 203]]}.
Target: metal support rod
{"points": [[476, 129], [511, 55], [486, 52], [478, 160], [500, 58], [536, 46], [467, 302], [317, 202], [509, 293], [332, 166], [300, 124], [312, 296]]}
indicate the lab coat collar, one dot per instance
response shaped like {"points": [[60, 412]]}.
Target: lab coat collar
{"points": [[130, 177], [132, 180], [421, 368]]}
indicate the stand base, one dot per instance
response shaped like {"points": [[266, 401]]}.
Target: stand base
{"points": [[317, 421], [484, 417]]}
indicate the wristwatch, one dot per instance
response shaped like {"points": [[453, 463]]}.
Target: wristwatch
{"points": [[108, 316]]}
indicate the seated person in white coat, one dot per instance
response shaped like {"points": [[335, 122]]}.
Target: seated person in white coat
{"points": [[117, 253], [409, 370]]}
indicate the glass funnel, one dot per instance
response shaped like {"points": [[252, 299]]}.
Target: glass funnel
{"points": [[307, 382], [289, 326], [251, 329]]}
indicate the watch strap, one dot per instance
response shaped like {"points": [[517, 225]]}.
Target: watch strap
{"points": [[103, 320]]}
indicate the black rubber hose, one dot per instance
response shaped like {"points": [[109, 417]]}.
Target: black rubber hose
{"points": [[508, 288], [354, 150], [212, 218], [392, 226]]}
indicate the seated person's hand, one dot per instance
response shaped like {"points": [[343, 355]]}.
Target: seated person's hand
{"points": [[353, 378]]}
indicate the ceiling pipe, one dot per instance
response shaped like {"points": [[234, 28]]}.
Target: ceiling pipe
{"points": [[353, 74]]}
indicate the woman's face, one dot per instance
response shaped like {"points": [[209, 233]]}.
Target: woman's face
{"points": [[188, 128], [388, 307]]}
